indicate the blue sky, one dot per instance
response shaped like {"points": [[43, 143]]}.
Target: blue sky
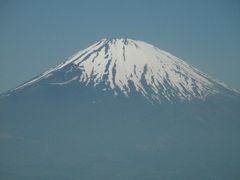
{"points": [[36, 35]]}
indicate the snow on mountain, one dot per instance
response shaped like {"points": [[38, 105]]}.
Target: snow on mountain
{"points": [[124, 66]]}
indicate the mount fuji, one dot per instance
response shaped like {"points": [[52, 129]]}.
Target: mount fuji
{"points": [[120, 109], [126, 66]]}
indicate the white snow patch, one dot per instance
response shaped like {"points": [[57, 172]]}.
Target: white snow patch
{"points": [[66, 82]]}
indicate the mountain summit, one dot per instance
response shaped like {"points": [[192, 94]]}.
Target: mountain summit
{"points": [[126, 66]]}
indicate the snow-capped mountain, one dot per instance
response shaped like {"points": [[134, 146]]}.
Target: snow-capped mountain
{"points": [[90, 118], [124, 66]]}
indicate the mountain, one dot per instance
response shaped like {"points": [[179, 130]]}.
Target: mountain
{"points": [[120, 109], [126, 66]]}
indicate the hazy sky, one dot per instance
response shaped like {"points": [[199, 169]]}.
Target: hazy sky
{"points": [[38, 34]]}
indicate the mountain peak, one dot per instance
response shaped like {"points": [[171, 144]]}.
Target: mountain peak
{"points": [[126, 66]]}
